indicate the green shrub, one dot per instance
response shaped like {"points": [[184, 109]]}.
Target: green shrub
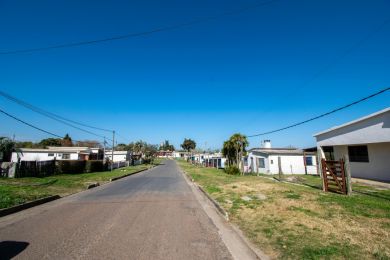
{"points": [[94, 166], [70, 167], [232, 170]]}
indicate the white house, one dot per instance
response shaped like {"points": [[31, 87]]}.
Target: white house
{"points": [[363, 143], [51, 153], [119, 156], [269, 160], [215, 160]]}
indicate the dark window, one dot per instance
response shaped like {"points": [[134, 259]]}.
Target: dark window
{"points": [[329, 153], [66, 156], [358, 153], [261, 163], [309, 160], [51, 154]]}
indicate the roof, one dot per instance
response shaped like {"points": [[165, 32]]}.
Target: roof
{"points": [[57, 150], [281, 151], [386, 110]]}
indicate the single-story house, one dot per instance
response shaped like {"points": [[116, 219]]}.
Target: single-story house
{"points": [[215, 160], [280, 160], [52, 152], [119, 156], [363, 143]]}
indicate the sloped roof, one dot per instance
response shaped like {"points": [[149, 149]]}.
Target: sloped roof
{"points": [[354, 121], [280, 151]]}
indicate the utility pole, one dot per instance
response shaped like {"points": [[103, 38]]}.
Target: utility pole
{"points": [[112, 152], [104, 149]]}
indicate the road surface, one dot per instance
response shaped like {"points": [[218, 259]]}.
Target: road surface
{"points": [[151, 215]]}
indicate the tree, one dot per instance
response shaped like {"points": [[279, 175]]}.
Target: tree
{"points": [[66, 141], [121, 147], [167, 147], [188, 145], [89, 143], [7, 146], [50, 142], [235, 148]]}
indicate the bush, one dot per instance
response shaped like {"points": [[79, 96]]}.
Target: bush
{"points": [[94, 166], [232, 170], [70, 167]]}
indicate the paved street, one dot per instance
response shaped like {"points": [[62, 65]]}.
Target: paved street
{"points": [[151, 215]]}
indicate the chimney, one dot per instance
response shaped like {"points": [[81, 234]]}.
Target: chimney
{"points": [[266, 144]]}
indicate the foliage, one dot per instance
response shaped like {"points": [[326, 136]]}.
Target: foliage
{"points": [[70, 167], [188, 145], [50, 142], [6, 148], [235, 148], [232, 170], [66, 141], [94, 166], [166, 146], [89, 143]]}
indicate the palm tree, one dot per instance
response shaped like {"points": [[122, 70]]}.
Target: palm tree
{"points": [[234, 149]]}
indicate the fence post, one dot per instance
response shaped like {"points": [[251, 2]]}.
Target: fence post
{"points": [[347, 168]]}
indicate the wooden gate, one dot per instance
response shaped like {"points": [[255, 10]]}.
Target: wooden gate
{"points": [[333, 173]]}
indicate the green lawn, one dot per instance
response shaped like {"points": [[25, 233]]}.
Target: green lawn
{"points": [[14, 191], [290, 221]]}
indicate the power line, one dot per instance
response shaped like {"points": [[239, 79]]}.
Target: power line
{"points": [[52, 115], [133, 35], [325, 114], [33, 126]]}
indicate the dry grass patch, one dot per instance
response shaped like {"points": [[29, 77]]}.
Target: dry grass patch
{"points": [[297, 222]]}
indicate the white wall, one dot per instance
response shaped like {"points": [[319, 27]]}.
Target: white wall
{"points": [[41, 156], [291, 164], [378, 167]]}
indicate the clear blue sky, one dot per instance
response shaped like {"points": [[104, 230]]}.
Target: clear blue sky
{"points": [[242, 73]]}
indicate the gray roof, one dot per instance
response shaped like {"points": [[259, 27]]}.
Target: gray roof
{"points": [[276, 151], [354, 121]]}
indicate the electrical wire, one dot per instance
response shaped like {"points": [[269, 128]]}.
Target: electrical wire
{"points": [[53, 116], [133, 35], [323, 115], [33, 126]]}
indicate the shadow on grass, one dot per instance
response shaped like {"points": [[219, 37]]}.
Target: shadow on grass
{"points": [[10, 249]]}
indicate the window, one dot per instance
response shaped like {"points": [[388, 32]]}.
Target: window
{"points": [[66, 156], [329, 153], [260, 163], [272, 161], [50, 154], [309, 160], [358, 153]]}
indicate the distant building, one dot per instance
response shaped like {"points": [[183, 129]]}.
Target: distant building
{"points": [[364, 143]]}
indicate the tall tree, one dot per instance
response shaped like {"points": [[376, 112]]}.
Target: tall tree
{"points": [[235, 148], [6, 148], [188, 145], [66, 141], [50, 142]]}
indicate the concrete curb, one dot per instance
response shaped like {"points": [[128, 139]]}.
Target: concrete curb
{"points": [[215, 203], [17, 208], [129, 174], [257, 252]]}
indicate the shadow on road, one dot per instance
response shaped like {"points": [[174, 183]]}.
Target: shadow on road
{"points": [[10, 249]]}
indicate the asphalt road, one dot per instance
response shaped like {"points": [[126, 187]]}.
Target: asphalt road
{"points": [[151, 215]]}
